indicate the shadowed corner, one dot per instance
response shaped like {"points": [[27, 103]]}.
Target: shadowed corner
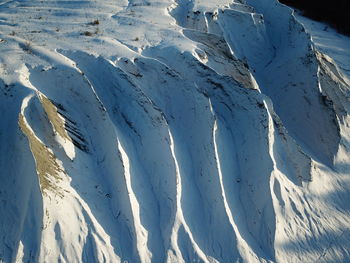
{"points": [[21, 204]]}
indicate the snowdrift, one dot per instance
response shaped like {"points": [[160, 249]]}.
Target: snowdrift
{"points": [[170, 131]]}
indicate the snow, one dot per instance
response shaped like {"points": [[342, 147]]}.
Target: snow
{"points": [[329, 42], [172, 131]]}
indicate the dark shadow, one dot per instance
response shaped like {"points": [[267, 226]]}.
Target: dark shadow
{"points": [[335, 13], [21, 206]]}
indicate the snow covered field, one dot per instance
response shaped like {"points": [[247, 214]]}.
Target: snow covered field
{"points": [[172, 131]]}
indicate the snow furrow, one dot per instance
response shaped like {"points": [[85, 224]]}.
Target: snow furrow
{"points": [[141, 232], [171, 131]]}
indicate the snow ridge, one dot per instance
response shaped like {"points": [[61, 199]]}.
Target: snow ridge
{"points": [[170, 131]]}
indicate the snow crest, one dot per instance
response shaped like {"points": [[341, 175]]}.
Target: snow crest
{"points": [[170, 131]]}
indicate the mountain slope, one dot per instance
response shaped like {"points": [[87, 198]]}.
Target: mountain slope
{"points": [[170, 131]]}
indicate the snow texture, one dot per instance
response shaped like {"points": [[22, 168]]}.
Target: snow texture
{"points": [[172, 131]]}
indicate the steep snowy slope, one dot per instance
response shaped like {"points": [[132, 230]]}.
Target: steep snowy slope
{"points": [[170, 131], [328, 41]]}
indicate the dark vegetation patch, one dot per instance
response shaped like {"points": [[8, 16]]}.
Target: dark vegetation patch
{"points": [[95, 22], [87, 33]]}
